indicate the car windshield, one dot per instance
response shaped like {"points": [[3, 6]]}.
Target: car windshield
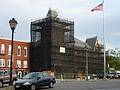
{"points": [[31, 75]]}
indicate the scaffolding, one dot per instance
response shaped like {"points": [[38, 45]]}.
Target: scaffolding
{"points": [[48, 35], [53, 48]]}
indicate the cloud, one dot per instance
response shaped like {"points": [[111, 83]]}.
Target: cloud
{"points": [[109, 46], [87, 24], [116, 34]]}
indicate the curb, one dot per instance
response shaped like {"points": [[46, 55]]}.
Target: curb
{"points": [[9, 87]]}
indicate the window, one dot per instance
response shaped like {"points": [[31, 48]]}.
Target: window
{"points": [[2, 62], [66, 36], [36, 36], [18, 63], [2, 49], [25, 51], [9, 61], [19, 51], [9, 50], [25, 64], [69, 36], [19, 74]]}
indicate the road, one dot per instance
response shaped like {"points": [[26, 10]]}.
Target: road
{"points": [[89, 85], [84, 85]]}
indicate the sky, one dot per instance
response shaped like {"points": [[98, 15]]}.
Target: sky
{"points": [[87, 24]]}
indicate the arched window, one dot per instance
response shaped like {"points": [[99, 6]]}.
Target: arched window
{"points": [[9, 50], [2, 49], [25, 51], [19, 51]]}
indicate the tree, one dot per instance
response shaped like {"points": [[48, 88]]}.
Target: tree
{"points": [[114, 58]]}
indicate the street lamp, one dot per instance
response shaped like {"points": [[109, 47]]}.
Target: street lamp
{"points": [[86, 55], [13, 23]]}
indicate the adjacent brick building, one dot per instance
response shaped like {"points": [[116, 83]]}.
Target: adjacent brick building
{"points": [[20, 56]]}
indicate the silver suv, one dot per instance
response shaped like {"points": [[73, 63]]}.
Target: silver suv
{"points": [[5, 77]]}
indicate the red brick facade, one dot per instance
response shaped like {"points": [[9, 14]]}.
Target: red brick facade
{"points": [[21, 57]]}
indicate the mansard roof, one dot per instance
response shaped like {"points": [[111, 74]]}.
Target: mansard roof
{"points": [[81, 44], [92, 42]]}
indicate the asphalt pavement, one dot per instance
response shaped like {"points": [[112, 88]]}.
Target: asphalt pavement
{"points": [[81, 85]]}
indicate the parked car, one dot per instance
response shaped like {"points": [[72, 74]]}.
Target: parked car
{"points": [[100, 76], [5, 77], [108, 76], [34, 80], [115, 75]]}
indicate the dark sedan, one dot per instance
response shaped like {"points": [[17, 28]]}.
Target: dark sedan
{"points": [[34, 80]]}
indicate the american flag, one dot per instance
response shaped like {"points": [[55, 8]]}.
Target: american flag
{"points": [[98, 8]]}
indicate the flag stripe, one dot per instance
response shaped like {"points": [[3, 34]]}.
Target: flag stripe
{"points": [[98, 8]]}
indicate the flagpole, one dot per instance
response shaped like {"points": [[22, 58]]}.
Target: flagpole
{"points": [[104, 42], [100, 7]]}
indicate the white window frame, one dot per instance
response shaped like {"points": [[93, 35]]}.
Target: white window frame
{"points": [[19, 64], [2, 62], [25, 51], [19, 52], [25, 64], [3, 49], [9, 50]]}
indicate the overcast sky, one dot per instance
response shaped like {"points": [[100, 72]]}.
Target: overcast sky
{"points": [[87, 24]]}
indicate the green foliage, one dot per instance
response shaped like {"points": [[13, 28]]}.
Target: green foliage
{"points": [[114, 59]]}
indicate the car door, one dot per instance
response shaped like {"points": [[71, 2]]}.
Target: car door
{"points": [[40, 80], [46, 78]]}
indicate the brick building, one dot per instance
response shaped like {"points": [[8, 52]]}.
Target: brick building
{"points": [[20, 56]]}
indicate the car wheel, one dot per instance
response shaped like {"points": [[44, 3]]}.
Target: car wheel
{"points": [[51, 85], [1, 84], [33, 87]]}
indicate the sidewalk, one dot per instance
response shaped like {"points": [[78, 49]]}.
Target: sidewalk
{"points": [[7, 88], [67, 80], [72, 80]]}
